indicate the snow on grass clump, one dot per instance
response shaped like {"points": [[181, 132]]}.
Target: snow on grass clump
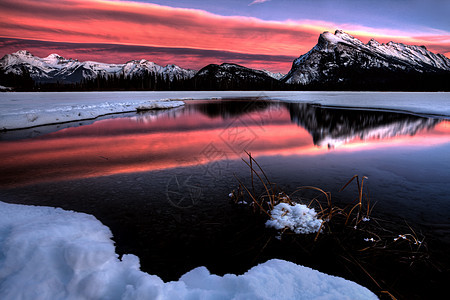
{"points": [[298, 218], [50, 253]]}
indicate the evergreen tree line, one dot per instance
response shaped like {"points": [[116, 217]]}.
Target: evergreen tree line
{"points": [[354, 79], [19, 83], [148, 81], [383, 79]]}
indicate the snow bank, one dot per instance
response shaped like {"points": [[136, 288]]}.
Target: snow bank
{"points": [[50, 253], [159, 105], [298, 218], [23, 110], [5, 88]]}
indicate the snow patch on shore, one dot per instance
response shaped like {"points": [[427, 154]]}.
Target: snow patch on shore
{"points": [[50, 253], [36, 114]]}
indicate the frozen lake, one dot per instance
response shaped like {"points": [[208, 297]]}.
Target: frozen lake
{"points": [[22, 110], [160, 180]]}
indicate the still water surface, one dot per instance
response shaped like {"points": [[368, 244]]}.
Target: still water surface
{"points": [[160, 180]]}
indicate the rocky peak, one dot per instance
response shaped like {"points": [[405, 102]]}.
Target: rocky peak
{"points": [[55, 56], [338, 57], [373, 43], [23, 53]]}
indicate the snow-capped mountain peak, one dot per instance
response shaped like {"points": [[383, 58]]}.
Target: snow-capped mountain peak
{"points": [[22, 53], [56, 60], [276, 76], [54, 68], [17, 57], [373, 43], [54, 56], [339, 37], [337, 54]]}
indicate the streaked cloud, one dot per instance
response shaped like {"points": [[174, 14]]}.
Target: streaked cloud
{"points": [[258, 2]]}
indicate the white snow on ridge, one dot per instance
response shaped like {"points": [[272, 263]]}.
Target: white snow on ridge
{"points": [[277, 76], [50, 253], [410, 53]]}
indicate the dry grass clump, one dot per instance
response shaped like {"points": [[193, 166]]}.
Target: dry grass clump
{"points": [[361, 240], [272, 195]]}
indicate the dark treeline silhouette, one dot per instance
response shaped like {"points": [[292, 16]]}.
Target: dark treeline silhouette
{"points": [[18, 83], [380, 79], [353, 80], [148, 81], [233, 83]]}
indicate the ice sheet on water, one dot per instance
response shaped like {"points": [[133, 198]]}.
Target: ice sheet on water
{"points": [[21, 110]]}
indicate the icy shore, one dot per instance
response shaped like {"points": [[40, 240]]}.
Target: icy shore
{"points": [[24, 110], [50, 253]]}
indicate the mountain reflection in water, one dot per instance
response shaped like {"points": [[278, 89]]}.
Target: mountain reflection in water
{"points": [[207, 131], [333, 127]]}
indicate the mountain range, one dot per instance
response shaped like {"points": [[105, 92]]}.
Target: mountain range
{"points": [[337, 61], [57, 68]]}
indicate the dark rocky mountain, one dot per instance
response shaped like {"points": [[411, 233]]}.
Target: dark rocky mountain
{"points": [[234, 77], [340, 60]]}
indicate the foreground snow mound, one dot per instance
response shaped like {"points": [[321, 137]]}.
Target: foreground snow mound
{"points": [[49, 253], [298, 218]]}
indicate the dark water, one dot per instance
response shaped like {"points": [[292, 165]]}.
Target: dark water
{"points": [[161, 180]]}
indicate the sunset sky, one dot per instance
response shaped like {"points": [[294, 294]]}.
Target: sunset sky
{"points": [[262, 34]]}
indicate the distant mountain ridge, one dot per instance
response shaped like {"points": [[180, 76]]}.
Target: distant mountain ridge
{"points": [[338, 61], [57, 68]]}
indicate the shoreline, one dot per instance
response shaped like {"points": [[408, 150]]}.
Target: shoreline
{"points": [[28, 110]]}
